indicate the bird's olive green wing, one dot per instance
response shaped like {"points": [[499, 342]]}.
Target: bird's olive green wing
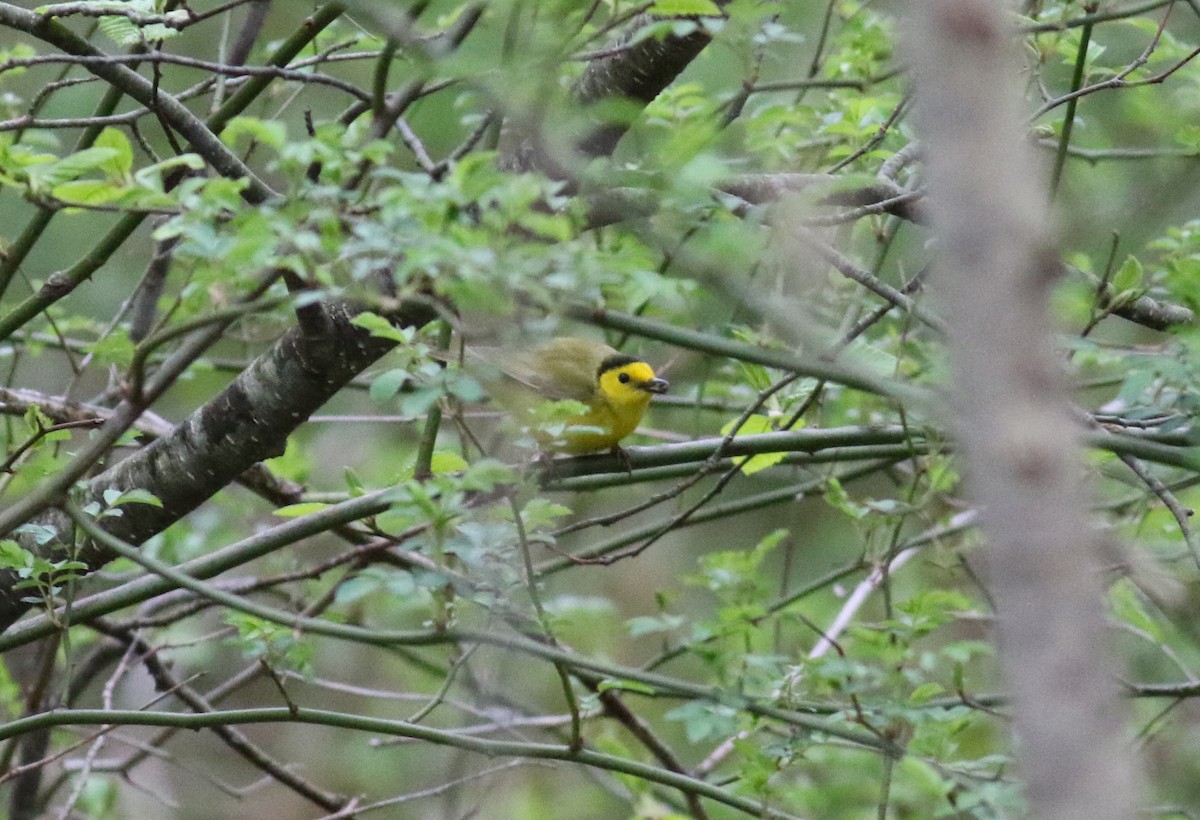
{"points": [[562, 368]]}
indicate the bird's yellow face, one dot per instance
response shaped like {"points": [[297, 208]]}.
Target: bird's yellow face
{"points": [[628, 383]]}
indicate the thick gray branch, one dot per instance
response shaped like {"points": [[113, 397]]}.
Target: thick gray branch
{"points": [[247, 422], [638, 73]]}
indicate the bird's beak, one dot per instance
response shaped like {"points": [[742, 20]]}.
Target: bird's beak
{"points": [[655, 386]]}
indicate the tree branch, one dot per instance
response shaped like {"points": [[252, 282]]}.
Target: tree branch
{"points": [[247, 422], [638, 74]]}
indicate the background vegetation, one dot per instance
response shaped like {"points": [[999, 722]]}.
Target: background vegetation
{"points": [[246, 494]]}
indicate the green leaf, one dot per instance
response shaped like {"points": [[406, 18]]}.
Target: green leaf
{"points": [[86, 192], [125, 32], [835, 495], [120, 30], [41, 533], [121, 163], [15, 557], [279, 645], [753, 425], [540, 512], [115, 498], [376, 325], [386, 385], [871, 358], [703, 720], [446, 463], [650, 624], [396, 521], [464, 387], [273, 133], [1129, 276], [487, 474], [52, 174], [115, 348], [353, 590], [416, 403], [297, 510], [925, 692], [151, 176], [353, 483], [1128, 606], [685, 8], [762, 461]]}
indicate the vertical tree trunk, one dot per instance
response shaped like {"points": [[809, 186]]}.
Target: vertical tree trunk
{"points": [[1015, 426]]}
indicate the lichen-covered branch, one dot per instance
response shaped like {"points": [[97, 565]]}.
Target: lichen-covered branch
{"points": [[250, 420], [637, 73]]}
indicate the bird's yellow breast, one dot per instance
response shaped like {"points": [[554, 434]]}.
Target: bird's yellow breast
{"points": [[605, 423], [615, 390]]}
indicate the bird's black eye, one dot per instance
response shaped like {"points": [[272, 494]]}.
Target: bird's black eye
{"points": [[623, 378]]}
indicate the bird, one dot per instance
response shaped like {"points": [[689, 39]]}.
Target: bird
{"points": [[616, 389]]}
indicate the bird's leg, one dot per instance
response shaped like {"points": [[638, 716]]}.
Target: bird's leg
{"points": [[622, 458]]}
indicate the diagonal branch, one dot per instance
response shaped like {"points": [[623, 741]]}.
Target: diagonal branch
{"points": [[247, 422]]}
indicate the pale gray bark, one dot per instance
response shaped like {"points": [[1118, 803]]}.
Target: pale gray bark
{"points": [[996, 270]]}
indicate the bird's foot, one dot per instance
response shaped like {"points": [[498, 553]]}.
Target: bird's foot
{"points": [[622, 458]]}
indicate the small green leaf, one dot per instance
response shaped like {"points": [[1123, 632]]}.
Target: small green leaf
{"points": [[650, 624], [355, 589], [754, 425], [464, 387], [1128, 606], [353, 483], [702, 720], [1129, 276], [445, 463], [115, 348], [115, 498], [121, 163], [273, 133], [925, 692], [486, 474], [540, 512], [297, 510], [416, 403], [15, 557], [50, 175], [86, 192], [376, 325], [386, 385], [685, 8], [151, 176], [120, 30], [41, 533]]}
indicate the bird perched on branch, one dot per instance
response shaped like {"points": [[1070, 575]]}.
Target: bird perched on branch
{"points": [[613, 388]]}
